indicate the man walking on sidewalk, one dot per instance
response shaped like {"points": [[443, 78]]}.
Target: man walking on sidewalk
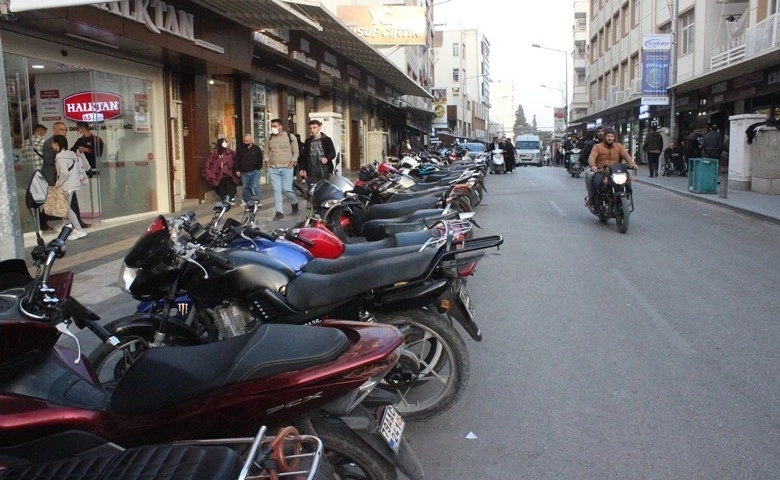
{"points": [[653, 146], [249, 161], [281, 153]]}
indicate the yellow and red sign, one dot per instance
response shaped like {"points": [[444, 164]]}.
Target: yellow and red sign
{"points": [[385, 25]]}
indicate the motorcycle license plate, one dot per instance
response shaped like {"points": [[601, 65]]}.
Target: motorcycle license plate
{"points": [[463, 294], [392, 427]]}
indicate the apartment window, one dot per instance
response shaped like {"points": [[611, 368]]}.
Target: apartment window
{"points": [[455, 74], [615, 26], [625, 80], [594, 7], [635, 68], [666, 28], [594, 48], [636, 12], [774, 7], [607, 35], [456, 49], [626, 20], [686, 33]]}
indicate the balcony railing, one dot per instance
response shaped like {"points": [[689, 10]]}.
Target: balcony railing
{"points": [[756, 40]]}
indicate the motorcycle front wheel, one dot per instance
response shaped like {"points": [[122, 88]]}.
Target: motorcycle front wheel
{"points": [[622, 215], [434, 368]]}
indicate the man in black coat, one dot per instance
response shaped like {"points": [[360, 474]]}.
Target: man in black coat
{"points": [[318, 154]]}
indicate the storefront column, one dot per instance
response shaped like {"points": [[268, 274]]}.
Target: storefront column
{"points": [[11, 240]]}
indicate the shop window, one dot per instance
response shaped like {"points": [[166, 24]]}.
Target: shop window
{"points": [[124, 180]]}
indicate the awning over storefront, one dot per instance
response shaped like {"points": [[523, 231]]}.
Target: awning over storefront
{"points": [[314, 18]]}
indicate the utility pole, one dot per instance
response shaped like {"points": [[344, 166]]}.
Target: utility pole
{"points": [[673, 74]]}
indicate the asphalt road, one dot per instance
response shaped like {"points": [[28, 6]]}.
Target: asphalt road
{"points": [[646, 355], [650, 354]]}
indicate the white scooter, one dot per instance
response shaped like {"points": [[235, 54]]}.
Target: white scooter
{"points": [[497, 161]]}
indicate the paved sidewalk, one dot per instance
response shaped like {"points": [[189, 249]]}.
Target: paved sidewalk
{"points": [[756, 204]]}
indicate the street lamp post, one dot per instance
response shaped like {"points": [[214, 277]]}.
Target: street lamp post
{"points": [[566, 81]]}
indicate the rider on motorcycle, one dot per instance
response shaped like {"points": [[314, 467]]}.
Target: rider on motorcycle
{"points": [[606, 153], [568, 146]]}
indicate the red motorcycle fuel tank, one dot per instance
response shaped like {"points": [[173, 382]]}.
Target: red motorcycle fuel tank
{"points": [[320, 242]]}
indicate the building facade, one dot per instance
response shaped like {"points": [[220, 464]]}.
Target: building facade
{"points": [[178, 75], [724, 62]]}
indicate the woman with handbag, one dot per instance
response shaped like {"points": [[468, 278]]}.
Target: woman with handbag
{"points": [[68, 167]]}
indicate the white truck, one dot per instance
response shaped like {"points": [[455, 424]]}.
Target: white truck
{"points": [[529, 150]]}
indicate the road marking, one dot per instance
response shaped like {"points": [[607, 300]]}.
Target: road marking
{"points": [[658, 321], [558, 209]]}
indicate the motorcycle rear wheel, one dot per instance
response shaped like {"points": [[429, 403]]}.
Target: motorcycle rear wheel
{"points": [[622, 215], [434, 368], [349, 455]]}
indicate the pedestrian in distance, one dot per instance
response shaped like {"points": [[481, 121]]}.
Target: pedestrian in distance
{"points": [[32, 152], [712, 144], [653, 146], [318, 155], [68, 178], [220, 171], [249, 161], [510, 155], [281, 155], [49, 171], [90, 145]]}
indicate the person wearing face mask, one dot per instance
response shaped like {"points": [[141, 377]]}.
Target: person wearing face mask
{"points": [[219, 171], [249, 161], [318, 155], [281, 153]]}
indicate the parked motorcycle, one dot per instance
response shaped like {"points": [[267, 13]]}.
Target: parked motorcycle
{"points": [[497, 161], [614, 197], [321, 379], [573, 166], [348, 215], [220, 295], [79, 455]]}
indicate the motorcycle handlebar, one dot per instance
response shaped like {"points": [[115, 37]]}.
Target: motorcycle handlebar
{"points": [[215, 258]]}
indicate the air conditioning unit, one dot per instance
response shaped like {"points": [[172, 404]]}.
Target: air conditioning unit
{"points": [[618, 97], [610, 91], [599, 105], [636, 86]]}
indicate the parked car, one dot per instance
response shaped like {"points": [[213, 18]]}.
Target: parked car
{"points": [[474, 149]]}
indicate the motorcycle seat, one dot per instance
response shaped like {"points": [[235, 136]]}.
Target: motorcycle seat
{"points": [[162, 377], [313, 290], [422, 220], [342, 264], [437, 192], [80, 455], [397, 209], [405, 239]]}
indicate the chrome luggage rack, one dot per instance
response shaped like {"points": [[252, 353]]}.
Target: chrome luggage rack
{"points": [[284, 455]]}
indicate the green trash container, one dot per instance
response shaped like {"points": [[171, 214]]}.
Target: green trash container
{"points": [[703, 175]]}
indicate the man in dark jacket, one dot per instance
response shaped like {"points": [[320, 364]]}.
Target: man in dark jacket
{"points": [[249, 161], [598, 136], [653, 146], [712, 143], [318, 155]]}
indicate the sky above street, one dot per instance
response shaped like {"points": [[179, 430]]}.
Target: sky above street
{"points": [[511, 28]]}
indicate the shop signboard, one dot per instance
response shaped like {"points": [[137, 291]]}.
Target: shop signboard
{"points": [[92, 106], [22, 5], [656, 50]]}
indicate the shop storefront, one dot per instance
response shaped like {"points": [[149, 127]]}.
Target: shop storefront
{"points": [[118, 100], [157, 82]]}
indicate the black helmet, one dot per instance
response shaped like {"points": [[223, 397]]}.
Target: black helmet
{"points": [[366, 173]]}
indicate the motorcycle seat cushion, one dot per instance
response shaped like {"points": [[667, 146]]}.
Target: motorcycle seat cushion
{"points": [[399, 240], [312, 290], [420, 220], [397, 209], [158, 462], [163, 377], [342, 264]]}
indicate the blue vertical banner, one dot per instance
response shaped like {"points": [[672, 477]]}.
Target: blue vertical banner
{"points": [[656, 52]]}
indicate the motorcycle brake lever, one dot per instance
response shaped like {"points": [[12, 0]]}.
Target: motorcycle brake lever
{"points": [[63, 329]]}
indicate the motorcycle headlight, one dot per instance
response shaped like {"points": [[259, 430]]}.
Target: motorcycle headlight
{"points": [[126, 277], [619, 178], [330, 203]]}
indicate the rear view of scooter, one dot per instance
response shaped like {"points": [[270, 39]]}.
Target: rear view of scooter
{"points": [[497, 161]]}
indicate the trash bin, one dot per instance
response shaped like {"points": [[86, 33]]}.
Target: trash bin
{"points": [[703, 175]]}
